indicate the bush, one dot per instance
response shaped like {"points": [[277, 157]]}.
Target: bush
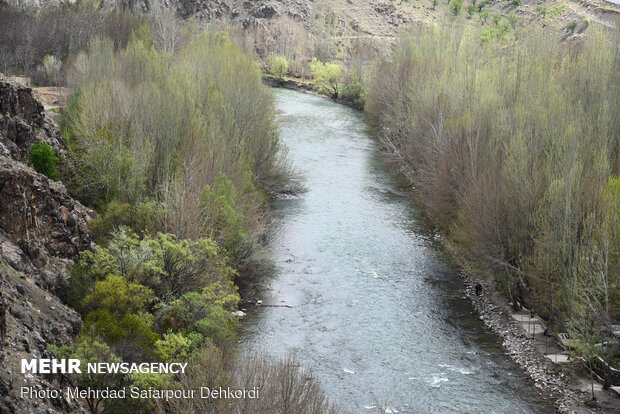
{"points": [[143, 219], [326, 75], [456, 6], [471, 10], [278, 66], [354, 95], [43, 159]]}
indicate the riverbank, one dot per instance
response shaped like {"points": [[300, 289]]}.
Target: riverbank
{"points": [[551, 380], [301, 85], [558, 383]]}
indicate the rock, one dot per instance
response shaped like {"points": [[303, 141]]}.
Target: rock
{"points": [[42, 229]]}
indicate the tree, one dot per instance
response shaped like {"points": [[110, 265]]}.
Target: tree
{"points": [[166, 30], [43, 159], [278, 66], [326, 75], [92, 350], [52, 68]]}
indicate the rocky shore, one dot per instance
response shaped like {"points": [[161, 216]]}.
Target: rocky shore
{"points": [[551, 381]]}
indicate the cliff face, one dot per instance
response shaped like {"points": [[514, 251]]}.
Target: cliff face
{"points": [[41, 230]]}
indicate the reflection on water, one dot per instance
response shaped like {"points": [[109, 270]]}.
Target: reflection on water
{"points": [[375, 312]]}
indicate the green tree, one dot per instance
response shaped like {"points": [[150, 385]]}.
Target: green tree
{"points": [[118, 296], [326, 75], [43, 159], [278, 66], [92, 350], [571, 27]]}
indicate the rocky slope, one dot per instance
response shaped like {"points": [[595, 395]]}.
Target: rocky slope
{"points": [[41, 230]]}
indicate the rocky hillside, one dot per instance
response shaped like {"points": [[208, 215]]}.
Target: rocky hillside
{"points": [[378, 19], [41, 230]]}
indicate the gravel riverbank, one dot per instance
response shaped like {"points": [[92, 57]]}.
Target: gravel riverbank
{"points": [[552, 381]]}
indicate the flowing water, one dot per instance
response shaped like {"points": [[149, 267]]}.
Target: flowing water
{"points": [[375, 312]]}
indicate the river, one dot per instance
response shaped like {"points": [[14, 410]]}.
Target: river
{"points": [[375, 311]]}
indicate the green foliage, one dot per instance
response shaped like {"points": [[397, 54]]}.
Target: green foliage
{"points": [[542, 11], [278, 66], [147, 125], [354, 95], [571, 27], [515, 2], [457, 5], [471, 10], [207, 313], [178, 347], [167, 266], [512, 20], [484, 15], [43, 159], [326, 75], [219, 209], [118, 296], [92, 350], [141, 218], [142, 34], [131, 333]]}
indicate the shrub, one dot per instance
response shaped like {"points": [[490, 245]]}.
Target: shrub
{"points": [[43, 159], [456, 6], [143, 219], [471, 10], [354, 95], [326, 75], [52, 69], [484, 15], [278, 66], [571, 27]]}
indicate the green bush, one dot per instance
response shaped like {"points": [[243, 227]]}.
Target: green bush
{"points": [[278, 66], [471, 10], [456, 6], [43, 159], [142, 218], [219, 209], [326, 75], [354, 95]]}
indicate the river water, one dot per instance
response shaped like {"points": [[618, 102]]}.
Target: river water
{"points": [[375, 312]]}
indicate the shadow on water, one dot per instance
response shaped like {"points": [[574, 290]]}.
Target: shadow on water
{"points": [[373, 308]]}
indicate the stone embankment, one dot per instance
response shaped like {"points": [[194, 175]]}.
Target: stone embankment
{"points": [[553, 381]]}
